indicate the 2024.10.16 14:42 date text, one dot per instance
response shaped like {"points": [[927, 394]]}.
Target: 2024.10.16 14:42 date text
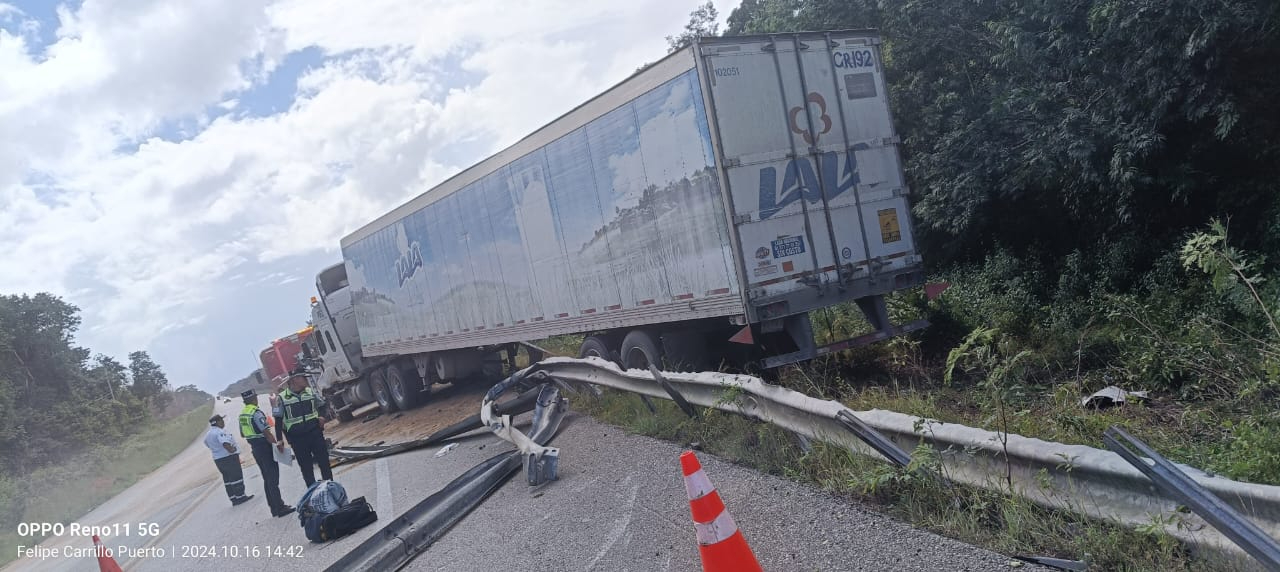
{"points": [[240, 551]]}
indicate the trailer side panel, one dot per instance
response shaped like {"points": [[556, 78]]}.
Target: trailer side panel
{"points": [[617, 221]]}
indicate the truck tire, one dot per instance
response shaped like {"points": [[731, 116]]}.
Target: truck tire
{"points": [[596, 346], [639, 349], [405, 387], [378, 383]]}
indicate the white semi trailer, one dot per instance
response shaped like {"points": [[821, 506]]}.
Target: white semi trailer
{"points": [[693, 214]]}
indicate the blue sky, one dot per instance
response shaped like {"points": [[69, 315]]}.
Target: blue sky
{"points": [[181, 170]]}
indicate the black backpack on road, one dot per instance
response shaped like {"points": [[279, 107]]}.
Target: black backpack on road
{"points": [[351, 517]]}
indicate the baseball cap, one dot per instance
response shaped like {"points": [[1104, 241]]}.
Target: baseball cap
{"points": [[248, 393]]}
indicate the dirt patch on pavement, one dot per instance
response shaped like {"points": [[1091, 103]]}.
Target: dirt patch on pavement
{"points": [[447, 405]]}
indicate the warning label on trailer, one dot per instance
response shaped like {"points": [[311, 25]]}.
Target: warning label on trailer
{"points": [[889, 230], [788, 246]]}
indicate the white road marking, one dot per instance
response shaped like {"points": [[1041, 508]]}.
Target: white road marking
{"points": [[619, 527], [384, 489]]}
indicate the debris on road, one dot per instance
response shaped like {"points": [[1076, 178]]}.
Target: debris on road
{"points": [[1055, 563], [522, 403], [539, 462], [445, 449], [413, 532], [1112, 396]]}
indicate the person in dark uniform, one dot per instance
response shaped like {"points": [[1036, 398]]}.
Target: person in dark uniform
{"points": [[255, 429], [298, 418]]}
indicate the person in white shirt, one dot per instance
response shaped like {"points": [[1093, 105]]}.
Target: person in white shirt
{"points": [[226, 456]]}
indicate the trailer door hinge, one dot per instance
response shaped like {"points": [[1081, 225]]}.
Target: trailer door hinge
{"points": [[732, 162], [742, 218]]}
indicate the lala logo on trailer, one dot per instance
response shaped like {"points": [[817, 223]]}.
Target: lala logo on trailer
{"points": [[410, 259], [800, 179], [809, 136]]}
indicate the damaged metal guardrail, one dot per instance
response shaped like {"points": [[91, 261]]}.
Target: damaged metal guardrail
{"points": [[1077, 478], [1176, 484], [411, 533], [539, 462]]}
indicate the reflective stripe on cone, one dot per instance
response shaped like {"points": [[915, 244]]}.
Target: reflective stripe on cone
{"points": [[720, 543]]}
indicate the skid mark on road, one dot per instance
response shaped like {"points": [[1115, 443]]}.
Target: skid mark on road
{"points": [[384, 488], [619, 527]]}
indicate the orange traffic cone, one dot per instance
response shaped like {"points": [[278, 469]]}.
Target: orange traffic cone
{"points": [[721, 544], [105, 562]]}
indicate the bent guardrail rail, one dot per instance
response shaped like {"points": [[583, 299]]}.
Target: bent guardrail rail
{"points": [[411, 533], [1077, 478]]}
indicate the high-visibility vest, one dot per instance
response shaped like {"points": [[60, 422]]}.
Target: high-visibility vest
{"points": [[298, 408], [246, 422]]}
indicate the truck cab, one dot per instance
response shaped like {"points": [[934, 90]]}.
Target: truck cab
{"points": [[337, 342], [282, 355]]}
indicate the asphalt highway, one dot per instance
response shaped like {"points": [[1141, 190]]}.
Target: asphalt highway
{"points": [[619, 505]]}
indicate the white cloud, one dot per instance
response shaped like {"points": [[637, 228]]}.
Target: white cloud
{"points": [[148, 234]]}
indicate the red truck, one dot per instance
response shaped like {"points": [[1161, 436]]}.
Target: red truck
{"points": [[281, 357]]}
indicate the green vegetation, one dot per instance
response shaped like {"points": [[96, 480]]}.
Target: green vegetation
{"points": [[1005, 524], [75, 486], [58, 402]]}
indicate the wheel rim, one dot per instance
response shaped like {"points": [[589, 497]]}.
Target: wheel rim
{"points": [[381, 392], [396, 385]]}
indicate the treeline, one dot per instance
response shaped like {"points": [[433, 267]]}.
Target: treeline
{"points": [[58, 399], [236, 387]]}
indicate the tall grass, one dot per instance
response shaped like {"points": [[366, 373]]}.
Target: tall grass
{"points": [[69, 490]]}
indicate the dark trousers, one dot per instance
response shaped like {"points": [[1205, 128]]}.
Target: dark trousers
{"points": [[310, 449], [232, 476], [262, 453]]}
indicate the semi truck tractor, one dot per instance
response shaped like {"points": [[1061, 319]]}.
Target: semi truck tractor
{"points": [[281, 356], [692, 216]]}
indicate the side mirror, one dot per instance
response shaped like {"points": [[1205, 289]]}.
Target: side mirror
{"points": [[257, 375]]}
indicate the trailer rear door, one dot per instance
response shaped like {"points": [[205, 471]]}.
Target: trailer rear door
{"points": [[813, 166]]}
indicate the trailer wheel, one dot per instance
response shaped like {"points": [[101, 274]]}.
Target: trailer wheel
{"points": [[639, 349], [596, 346], [405, 389], [378, 383]]}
